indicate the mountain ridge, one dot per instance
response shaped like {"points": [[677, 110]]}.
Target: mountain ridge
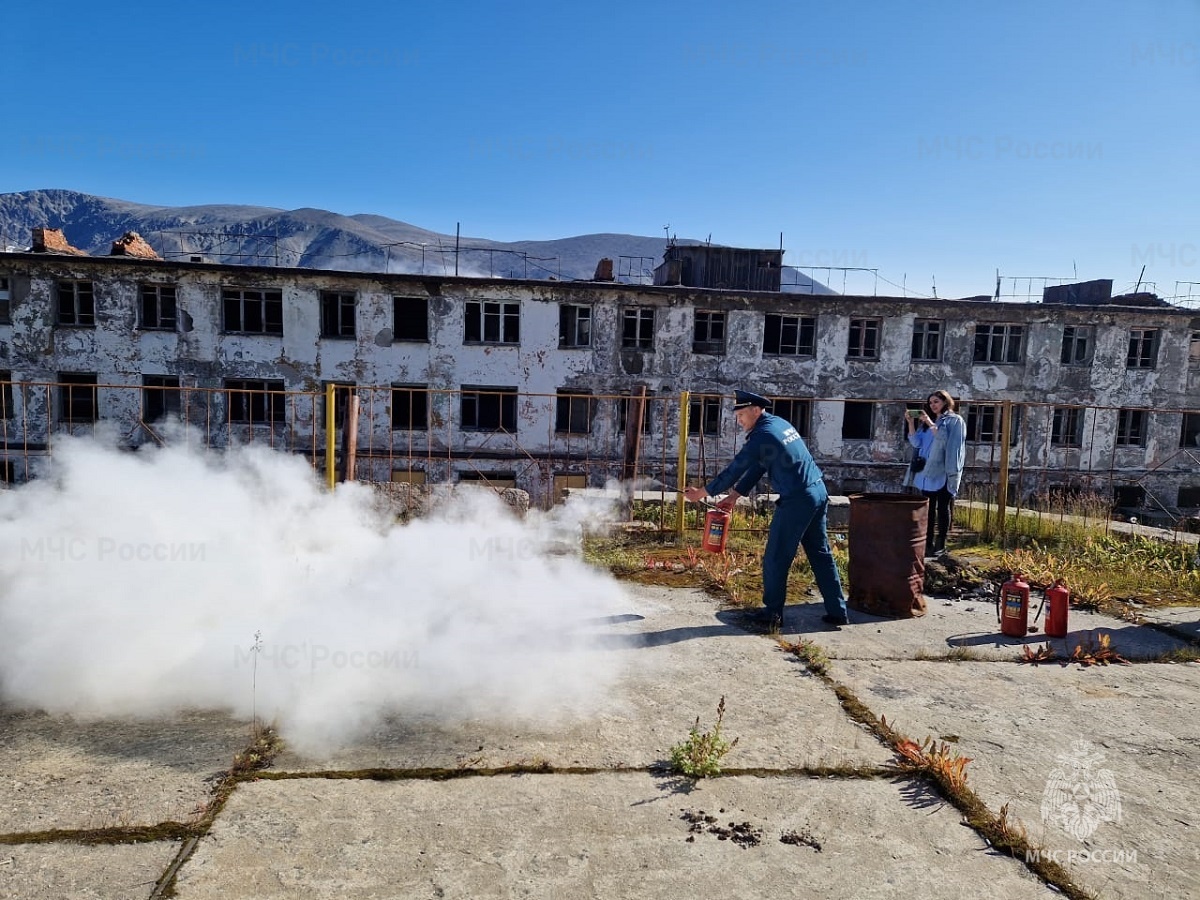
{"points": [[309, 237]]}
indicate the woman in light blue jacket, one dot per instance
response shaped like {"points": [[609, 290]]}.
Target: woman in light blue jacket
{"points": [[920, 435], [940, 479]]}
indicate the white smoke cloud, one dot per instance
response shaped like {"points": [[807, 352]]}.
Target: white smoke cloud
{"points": [[135, 584]]}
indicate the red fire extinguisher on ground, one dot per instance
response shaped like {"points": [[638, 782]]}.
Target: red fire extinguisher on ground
{"points": [[1059, 600], [716, 530], [1012, 607]]}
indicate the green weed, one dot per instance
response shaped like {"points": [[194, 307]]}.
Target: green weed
{"points": [[700, 755]]}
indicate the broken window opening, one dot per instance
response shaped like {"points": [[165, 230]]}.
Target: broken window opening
{"points": [[160, 397], [999, 343], [1066, 427], [1131, 427], [1143, 348], [789, 335], [157, 309], [637, 328], [708, 335], [573, 413], [927, 340], [574, 326], [864, 339], [795, 410], [252, 312], [76, 304], [410, 407], [489, 409], [337, 314], [858, 420], [704, 414], [78, 397], [1077, 345], [410, 319], [255, 401]]}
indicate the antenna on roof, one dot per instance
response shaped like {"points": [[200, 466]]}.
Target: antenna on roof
{"points": [[934, 286]]}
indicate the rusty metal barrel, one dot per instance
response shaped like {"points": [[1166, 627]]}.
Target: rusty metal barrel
{"points": [[887, 554]]}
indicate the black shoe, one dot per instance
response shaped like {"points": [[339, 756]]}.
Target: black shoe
{"points": [[834, 621]]}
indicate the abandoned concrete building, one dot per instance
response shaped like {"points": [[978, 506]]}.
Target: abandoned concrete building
{"points": [[530, 382]]}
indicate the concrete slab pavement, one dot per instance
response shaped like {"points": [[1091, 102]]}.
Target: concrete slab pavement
{"points": [[67, 871], [602, 835], [61, 773], [678, 656], [320, 828]]}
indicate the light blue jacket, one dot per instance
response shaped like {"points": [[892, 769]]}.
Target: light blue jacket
{"points": [[947, 455], [921, 440]]}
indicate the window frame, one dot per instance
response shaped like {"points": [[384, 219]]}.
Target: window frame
{"points": [[413, 392], [154, 295], [803, 340], [1074, 337], [78, 310], [507, 316], [334, 313], [72, 407], [983, 422], [934, 332], [1009, 338], [706, 323], [643, 328], [1132, 428], [1190, 418], [567, 408], [704, 415], [791, 404], [864, 338], [1143, 348], [1066, 427], [7, 396], [505, 399], [166, 393], [575, 326], [246, 391], [5, 299], [623, 407], [268, 301]]}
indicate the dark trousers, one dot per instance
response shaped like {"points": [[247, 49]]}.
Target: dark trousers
{"points": [[799, 521], [941, 513]]}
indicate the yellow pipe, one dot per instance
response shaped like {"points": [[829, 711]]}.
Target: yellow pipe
{"points": [[681, 475], [330, 435]]}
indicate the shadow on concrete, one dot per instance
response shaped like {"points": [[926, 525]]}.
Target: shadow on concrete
{"points": [[1135, 642], [666, 636], [187, 741], [919, 794], [994, 639]]}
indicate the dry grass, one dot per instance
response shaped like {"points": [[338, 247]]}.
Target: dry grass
{"points": [[1099, 653]]}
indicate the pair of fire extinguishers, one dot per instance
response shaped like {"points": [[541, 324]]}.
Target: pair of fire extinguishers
{"points": [[1012, 608]]}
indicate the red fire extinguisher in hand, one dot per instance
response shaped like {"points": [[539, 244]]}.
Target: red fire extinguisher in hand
{"points": [[1012, 607], [716, 530]]}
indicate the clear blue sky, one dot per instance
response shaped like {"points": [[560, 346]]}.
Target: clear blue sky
{"points": [[938, 140]]}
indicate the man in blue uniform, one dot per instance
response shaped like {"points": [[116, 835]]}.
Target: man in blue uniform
{"points": [[773, 447]]}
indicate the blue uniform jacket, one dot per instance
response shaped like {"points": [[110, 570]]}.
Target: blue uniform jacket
{"points": [[773, 447]]}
